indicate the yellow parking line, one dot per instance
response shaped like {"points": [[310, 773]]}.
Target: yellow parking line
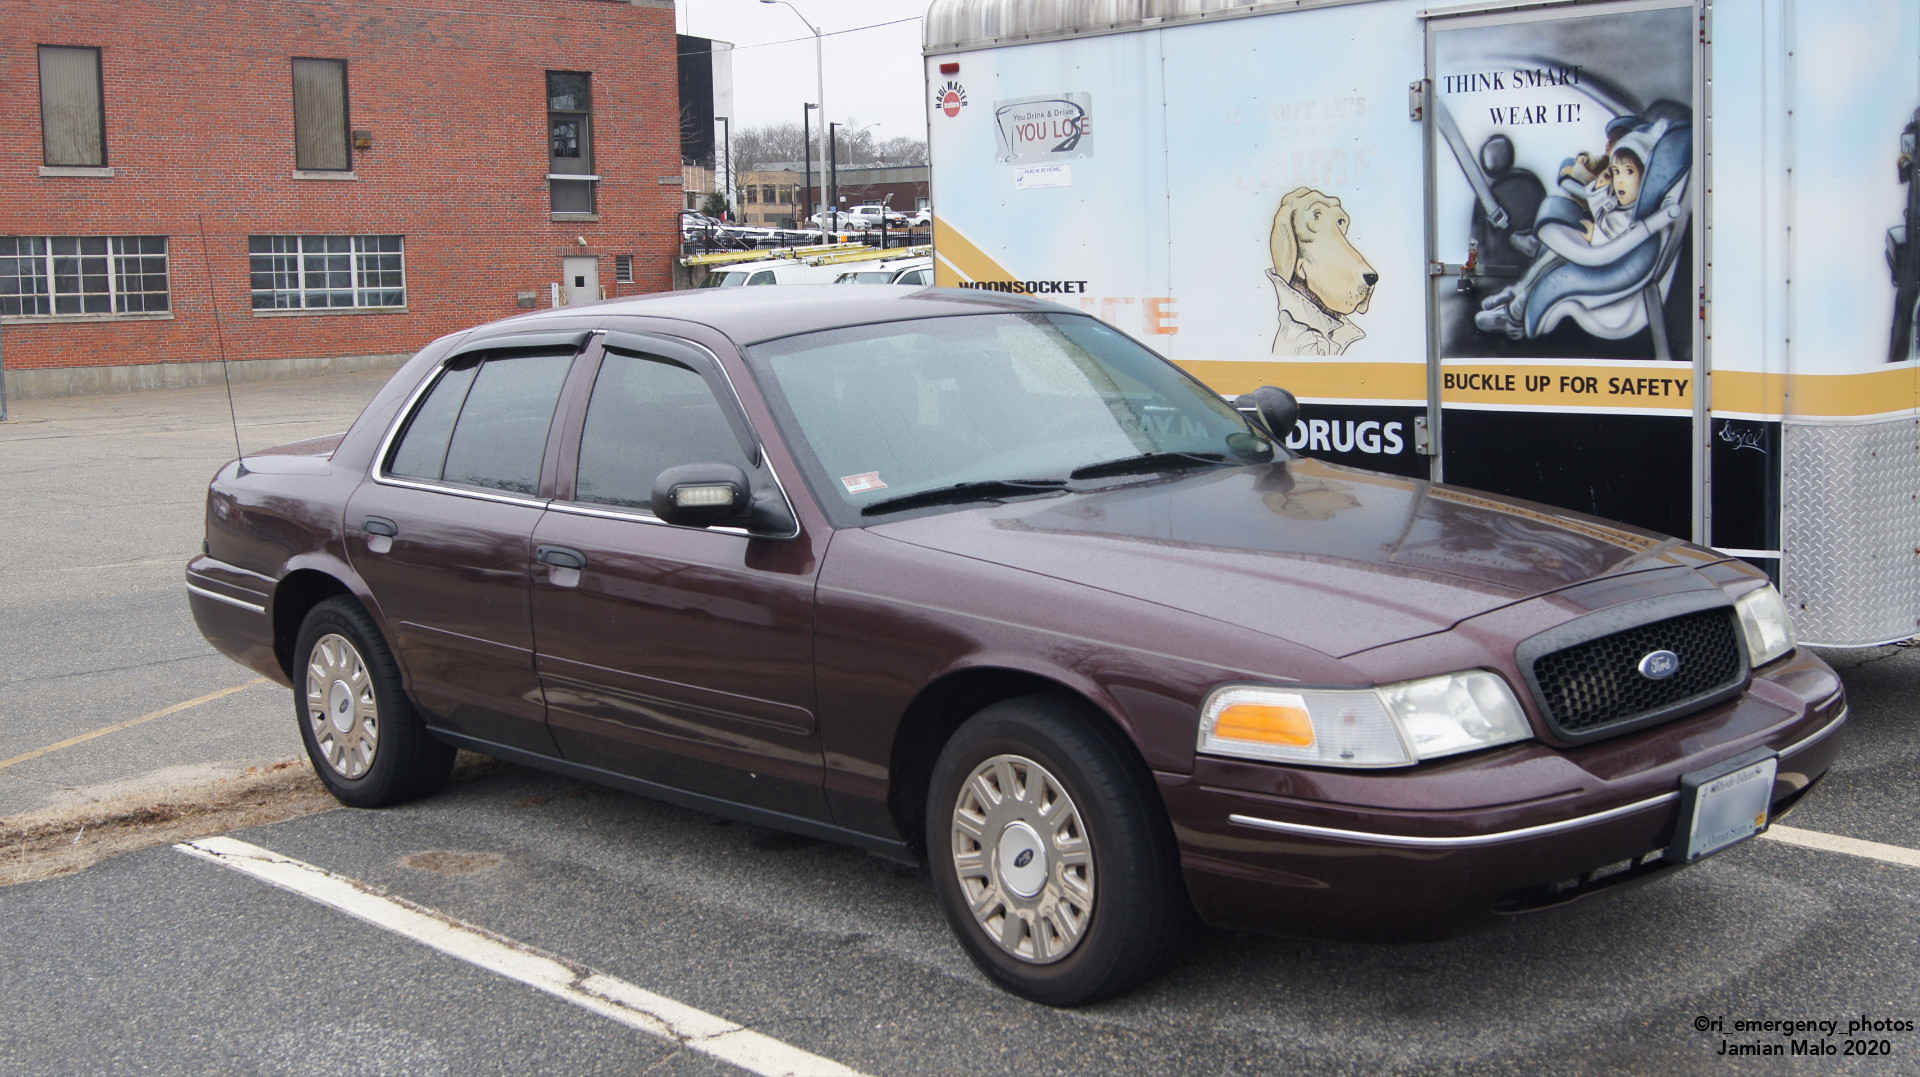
{"points": [[161, 713]]}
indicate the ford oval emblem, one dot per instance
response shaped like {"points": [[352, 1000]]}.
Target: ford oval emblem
{"points": [[1659, 665], [1025, 858]]}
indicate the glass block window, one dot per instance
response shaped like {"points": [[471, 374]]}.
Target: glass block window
{"points": [[53, 275], [308, 272]]}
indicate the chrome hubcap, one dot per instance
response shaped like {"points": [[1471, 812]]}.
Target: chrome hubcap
{"points": [[341, 711], [1023, 859]]}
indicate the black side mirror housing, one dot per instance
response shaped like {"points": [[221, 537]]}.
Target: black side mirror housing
{"points": [[702, 495], [1276, 409], [713, 494]]}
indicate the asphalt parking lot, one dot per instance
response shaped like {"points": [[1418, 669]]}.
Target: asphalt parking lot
{"points": [[524, 923]]}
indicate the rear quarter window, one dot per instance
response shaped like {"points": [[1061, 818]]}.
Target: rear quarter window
{"points": [[484, 425]]}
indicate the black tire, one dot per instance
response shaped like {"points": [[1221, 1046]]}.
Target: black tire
{"points": [[384, 754], [1138, 916]]}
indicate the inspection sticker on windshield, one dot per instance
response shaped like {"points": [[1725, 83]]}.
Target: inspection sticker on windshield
{"points": [[864, 483]]}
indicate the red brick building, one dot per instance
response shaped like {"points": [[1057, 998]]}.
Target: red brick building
{"points": [[319, 184]]}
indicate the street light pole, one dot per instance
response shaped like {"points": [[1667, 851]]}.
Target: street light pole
{"points": [[806, 162], [819, 77]]}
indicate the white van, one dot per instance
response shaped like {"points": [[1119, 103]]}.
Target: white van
{"points": [[915, 270], [771, 271]]}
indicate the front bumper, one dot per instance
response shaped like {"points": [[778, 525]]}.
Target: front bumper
{"points": [[1446, 847]]}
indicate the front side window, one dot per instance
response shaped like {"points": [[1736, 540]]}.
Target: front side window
{"points": [[570, 140], [484, 424], [309, 272], [880, 411], [54, 275], [72, 107], [320, 116], [645, 416]]}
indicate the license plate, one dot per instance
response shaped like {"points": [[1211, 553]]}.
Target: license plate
{"points": [[1724, 805]]}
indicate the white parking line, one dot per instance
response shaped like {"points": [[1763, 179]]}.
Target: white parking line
{"points": [[590, 990], [1834, 843]]}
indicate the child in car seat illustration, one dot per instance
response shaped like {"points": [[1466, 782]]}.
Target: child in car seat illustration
{"points": [[1607, 247]]}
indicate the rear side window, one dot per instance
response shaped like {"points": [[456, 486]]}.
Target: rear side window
{"points": [[422, 451], [485, 425], [647, 415]]}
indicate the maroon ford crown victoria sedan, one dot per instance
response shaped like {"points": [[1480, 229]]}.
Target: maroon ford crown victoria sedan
{"points": [[977, 580]]}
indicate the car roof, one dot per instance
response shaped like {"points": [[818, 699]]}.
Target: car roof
{"points": [[752, 315]]}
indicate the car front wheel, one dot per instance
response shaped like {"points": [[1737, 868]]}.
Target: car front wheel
{"points": [[360, 730], [1052, 855]]}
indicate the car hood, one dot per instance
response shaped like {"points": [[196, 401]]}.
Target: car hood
{"points": [[1333, 558]]}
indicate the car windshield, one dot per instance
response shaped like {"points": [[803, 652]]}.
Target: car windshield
{"points": [[876, 412]]}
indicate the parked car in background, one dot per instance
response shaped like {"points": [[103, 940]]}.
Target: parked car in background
{"points": [[878, 213], [974, 579], [921, 218]]}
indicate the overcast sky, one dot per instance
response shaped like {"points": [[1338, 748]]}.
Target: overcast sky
{"points": [[873, 75]]}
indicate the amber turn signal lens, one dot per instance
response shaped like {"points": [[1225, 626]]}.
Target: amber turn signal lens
{"points": [[1266, 724]]}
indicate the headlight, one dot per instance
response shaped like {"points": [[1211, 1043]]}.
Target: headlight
{"points": [[1390, 726], [1764, 621]]}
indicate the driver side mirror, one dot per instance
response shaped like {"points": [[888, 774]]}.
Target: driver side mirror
{"points": [[714, 493], [1276, 409]]}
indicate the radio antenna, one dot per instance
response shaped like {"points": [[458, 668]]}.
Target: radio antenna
{"points": [[220, 341]]}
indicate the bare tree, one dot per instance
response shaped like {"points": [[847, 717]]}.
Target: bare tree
{"points": [[902, 151], [755, 148]]}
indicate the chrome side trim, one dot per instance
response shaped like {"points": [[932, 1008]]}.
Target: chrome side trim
{"points": [[1821, 734], [460, 491], [218, 597], [1465, 842], [640, 516]]}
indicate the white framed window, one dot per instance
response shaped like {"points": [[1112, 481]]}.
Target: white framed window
{"points": [[317, 272], [48, 276]]}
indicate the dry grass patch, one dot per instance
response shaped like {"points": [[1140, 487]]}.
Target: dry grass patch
{"points": [[60, 841]]}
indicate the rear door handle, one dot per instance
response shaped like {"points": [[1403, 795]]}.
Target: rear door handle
{"points": [[559, 557], [379, 525]]}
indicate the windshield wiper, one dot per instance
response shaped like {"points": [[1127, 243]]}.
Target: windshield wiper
{"points": [[987, 490], [1153, 461]]}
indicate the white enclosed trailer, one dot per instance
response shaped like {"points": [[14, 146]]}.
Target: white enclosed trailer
{"points": [[1642, 259]]}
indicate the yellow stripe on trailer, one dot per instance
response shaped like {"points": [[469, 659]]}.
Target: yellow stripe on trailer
{"points": [[870, 254], [762, 254]]}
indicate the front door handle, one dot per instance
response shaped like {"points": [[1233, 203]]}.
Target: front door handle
{"points": [[379, 525], [559, 557]]}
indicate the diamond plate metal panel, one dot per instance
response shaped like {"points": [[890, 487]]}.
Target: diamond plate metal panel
{"points": [[1851, 530]]}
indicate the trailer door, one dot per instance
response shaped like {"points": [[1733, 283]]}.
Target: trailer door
{"points": [[1563, 347]]}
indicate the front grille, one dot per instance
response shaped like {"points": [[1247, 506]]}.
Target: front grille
{"points": [[1597, 684]]}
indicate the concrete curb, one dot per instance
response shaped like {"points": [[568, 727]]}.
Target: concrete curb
{"points": [[46, 383]]}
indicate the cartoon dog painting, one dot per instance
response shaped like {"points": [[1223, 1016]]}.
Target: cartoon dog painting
{"points": [[1318, 276]]}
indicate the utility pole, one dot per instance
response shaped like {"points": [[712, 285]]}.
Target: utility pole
{"points": [[833, 178]]}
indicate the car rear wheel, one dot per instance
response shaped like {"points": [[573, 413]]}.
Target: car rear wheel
{"points": [[361, 732], [1054, 861]]}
